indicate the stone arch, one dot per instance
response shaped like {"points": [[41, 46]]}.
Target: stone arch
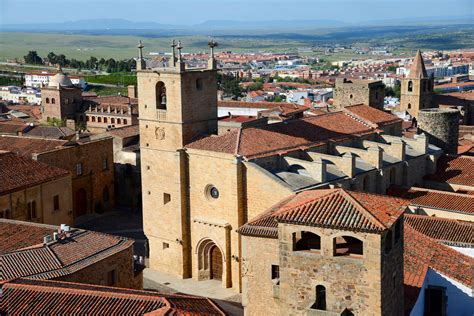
{"points": [[160, 91], [348, 244], [47, 100], [205, 249], [53, 101], [410, 86]]}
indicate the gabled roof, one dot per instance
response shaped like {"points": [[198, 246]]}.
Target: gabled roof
{"points": [[23, 253], [454, 170], [35, 297], [254, 142], [450, 201], [417, 69], [449, 231], [27, 146], [373, 115], [17, 173], [330, 208]]}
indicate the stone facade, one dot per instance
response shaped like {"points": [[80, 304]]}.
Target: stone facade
{"points": [[442, 127], [354, 91], [368, 284], [92, 169], [14, 205], [60, 103]]}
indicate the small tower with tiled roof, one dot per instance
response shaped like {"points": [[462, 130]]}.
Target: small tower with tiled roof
{"points": [[416, 88], [329, 252]]}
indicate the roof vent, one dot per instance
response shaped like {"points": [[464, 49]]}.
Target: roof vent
{"points": [[47, 239], [65, 228]]}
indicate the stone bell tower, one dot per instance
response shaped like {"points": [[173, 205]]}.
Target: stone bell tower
{"points": [[176, 106], [417, 88]]}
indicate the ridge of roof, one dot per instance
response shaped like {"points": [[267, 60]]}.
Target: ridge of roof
{"points": [[417, 69]]}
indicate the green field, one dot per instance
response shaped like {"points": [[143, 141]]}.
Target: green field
{"points": [[407, 40], [122, 79]]}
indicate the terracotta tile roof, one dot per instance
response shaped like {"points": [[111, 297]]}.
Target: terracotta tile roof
{"points": [[449, 231], [124, 132], [65, 256], [34, 297], [422, 252], [27, 146], [17, 173], [332, 208], [116, 100], [455, 170], [450, 201], [276, 138], [255, 105], [373, 115], [237, 118], [34, 111], [50, 132], [12, 128]]}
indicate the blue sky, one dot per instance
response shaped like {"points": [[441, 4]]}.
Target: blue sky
{"points": [[186, 12]]}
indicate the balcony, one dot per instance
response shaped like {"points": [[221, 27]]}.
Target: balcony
{"points": [[161, 115]]}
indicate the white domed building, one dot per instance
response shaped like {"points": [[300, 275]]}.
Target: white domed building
{"points": [[61, 99]]}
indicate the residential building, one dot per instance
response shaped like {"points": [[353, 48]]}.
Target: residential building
{"points": [[46, 252], [34, 191], [39, 80], [90, 162]]}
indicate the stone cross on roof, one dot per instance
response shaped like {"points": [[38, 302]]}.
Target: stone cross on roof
{"points": [[173, 46], [179, 47], [140, 47], [212, 44]]}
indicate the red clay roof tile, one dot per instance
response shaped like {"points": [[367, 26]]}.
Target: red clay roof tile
{"points": [[455, 170]]}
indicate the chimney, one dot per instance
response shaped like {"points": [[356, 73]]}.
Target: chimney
{"points": [[55, 236], [421, 143], [132, 92], [47, 239]]}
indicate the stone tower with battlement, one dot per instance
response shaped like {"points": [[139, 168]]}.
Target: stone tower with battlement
{"points": [[177, 105], [417, 88]]}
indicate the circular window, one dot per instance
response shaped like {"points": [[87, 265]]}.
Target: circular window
{"points": [[212, 192]]}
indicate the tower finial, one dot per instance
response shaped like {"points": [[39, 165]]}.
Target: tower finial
{"points": [[173, 46], [212, 44], [140, 47], [179, 51], [141, 63]]}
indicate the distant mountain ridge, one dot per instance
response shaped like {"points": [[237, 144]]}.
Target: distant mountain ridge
{"points": [[223, 25]]}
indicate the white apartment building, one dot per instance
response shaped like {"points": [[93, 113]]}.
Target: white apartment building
{"points": [[39, 80]]}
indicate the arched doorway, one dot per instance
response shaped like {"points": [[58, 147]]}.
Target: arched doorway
{"points": [[210, 260], [81, 202], [216, 263]]}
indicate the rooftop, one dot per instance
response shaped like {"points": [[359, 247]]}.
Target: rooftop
{"points": [[39, 297], [27, 146], [282, 137], [417, 69], [124, 132], [24, 254], [373, 115], [17, 173], [454, 170], [451, 201], [329, 208]]}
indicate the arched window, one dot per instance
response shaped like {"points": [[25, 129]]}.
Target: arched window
{"points": [[348, 246], [160, 96], [87, 118], [112, 120], [53, 101], [119, 121], [124, 121], [388, 241], [351, 96], [99, 119], [320, 302], [93, 119], [105, 120], [409, 105], [47, 100], [306, 241], [410, 86]]}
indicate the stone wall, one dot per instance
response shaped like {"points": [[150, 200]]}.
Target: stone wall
{"points": [[350, 282], [442, 128], [417, 99], [95, 179], [66, 102], [351, 92], [43, 195], [260, 294]]}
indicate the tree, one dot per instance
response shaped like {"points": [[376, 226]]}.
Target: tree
{"points": [[230, 85], [33, 58], [52, 58], [255, 86], [393, 92]]}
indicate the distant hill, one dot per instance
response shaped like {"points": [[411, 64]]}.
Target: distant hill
{"points": [[123, 26]]}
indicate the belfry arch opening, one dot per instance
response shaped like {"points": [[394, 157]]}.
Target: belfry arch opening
{"points": [[160, 96], [210, 260]]}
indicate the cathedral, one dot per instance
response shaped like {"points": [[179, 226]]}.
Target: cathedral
{"points": [[202, 190]]}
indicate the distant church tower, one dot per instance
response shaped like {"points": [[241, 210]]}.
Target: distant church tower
{"points": [[176, 106], [417, 88]]}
